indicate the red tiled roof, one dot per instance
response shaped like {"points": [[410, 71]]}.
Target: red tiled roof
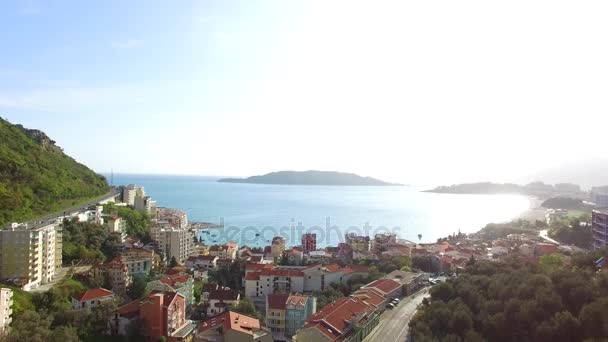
{"points": [[252, 276], [296, 299], [370, 296], [333, 268], [173, 280], [278, 272], [355, 269], [176, 270], [334, 318], [93, 294], [231, 321], [384, 285], [277, 301], [221, 294]]}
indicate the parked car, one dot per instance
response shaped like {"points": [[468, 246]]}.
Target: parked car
{"points": [[390, 306]]}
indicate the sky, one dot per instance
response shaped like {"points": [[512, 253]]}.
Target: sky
{"points": [[419, 92]]}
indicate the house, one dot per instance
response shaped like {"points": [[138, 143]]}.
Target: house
{"points": [[224, 262], [354, 271], [276, 280], [208, 262], [349, 319], [117, 272], [275, 313], [220, 300], [140, 261], [389, 288], [232, 326], [92, 298], [227, 250], [298, 308], [180, 283], [372, 297], [157, 315]]}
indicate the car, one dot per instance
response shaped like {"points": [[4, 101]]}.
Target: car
{"points": [[396, 300], [394, 303], [390, 306]]}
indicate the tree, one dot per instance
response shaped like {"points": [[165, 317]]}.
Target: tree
{"points": [[419, 237], [173, 262], [64, 334], [31, 326], [246, 307], [137, 288]]}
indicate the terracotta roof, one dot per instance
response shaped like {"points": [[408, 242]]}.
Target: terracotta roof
{"points": [[370, 296], [210, 286], [333, 268], [173, 280], [297, 299], [276, 301], [384, 285], [231, 321], [93, 294], [176, 270], [334, 319], [252, 276], [222, 294], [355, 269], [277, 272]]}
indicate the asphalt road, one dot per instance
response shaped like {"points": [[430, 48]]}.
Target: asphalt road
{"points": [[393, 324]]}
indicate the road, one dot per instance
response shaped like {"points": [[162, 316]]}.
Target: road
{"points": [[544, 234], [393, 324]]}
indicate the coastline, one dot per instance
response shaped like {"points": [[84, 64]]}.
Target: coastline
{"points": [[535, 212]]}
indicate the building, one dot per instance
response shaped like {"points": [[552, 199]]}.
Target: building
{"points": [[357, 242], [278, 246], [389, 288], [157, 315], [140, 261], [286, 313], [207, 262], [381, 243], [175, 243], [94, 214], [276, 313], [226, 251], [180, 283], [309, 242], [599, 196], [130, 192], [599, 228], [115, 224], [275, 280], [116, 272], [30, 254], [6, 309], [221, 299], [346, 319], [146, 205], [92, 298], [232, 326], [410, 281], [173, 217]]}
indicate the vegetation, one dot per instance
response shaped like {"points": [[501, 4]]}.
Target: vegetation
{"points": [[567, 203], [494, 231], [573, 230], [85, 240], [532, 189], [48, 316], [230, 277], [37, 178], [308, 178], [137, 223], [246, 307], [510, 301]]}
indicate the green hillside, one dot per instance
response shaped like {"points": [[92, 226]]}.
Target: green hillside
{"points": [[37, 178]]}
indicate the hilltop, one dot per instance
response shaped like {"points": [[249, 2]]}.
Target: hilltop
{"points": [[37, 178], [309, 178]]}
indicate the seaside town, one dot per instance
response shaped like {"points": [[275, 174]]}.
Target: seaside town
{"points": [[167, 284]]}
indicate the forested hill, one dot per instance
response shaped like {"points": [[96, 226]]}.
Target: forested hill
{"points": [[37, 178], [309, 178]]}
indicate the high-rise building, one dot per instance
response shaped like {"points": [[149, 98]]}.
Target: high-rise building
{"points": [[175, 243], [599, 196], [29, 254], [599, 228], [309, 242], [130, 192], [6, 309]]}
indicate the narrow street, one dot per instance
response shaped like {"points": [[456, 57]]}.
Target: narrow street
{"points": [[394, 323]]}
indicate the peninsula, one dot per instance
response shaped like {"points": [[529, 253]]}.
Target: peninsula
{"points": [[309, 178]]}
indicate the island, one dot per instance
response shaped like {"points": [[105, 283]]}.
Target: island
{"points": [[311, 177], [536, 189]]}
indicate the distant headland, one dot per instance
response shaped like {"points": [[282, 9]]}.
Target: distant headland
{"points": [[310, 178]]}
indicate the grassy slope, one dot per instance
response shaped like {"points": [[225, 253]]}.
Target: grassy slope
{"points": [[35, 180]]}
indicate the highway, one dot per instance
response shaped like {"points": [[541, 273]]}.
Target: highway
{"points": [[394, 323]]}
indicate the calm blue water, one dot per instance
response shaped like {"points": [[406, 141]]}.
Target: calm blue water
{"points": [[269, 210]]}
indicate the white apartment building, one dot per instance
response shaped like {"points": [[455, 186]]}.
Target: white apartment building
{"points": [[174, 242], [145, 204], [172, 217], [29, 255], [132, 191], [6, 309]]}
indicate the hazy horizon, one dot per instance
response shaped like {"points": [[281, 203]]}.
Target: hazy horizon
{"points": [[416, 93]]}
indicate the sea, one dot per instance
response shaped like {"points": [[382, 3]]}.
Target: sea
{"points": [[252, 214]]}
